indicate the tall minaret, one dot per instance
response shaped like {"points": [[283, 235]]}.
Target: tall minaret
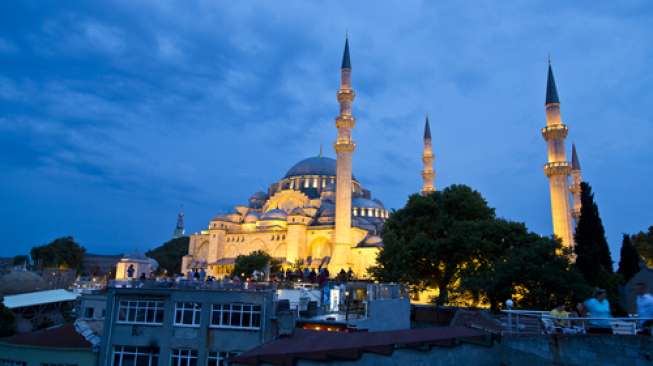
{"points": [[179, 228], [557, 168], [344, 147], [576, 179], [427, 158]]}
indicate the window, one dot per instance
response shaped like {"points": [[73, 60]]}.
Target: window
{"points": [[88, 313], [139, 356], [292, 184], [183, 357], [220, 358], [307, 181], [188, 313], [314, 182], [140, 312], [6, 362], [244, 316]]}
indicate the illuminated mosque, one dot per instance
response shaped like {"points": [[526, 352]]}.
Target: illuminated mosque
{"points": [[318, 214]]}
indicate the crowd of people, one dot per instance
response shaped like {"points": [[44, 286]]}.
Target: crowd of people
{"points": [[597, 308]]}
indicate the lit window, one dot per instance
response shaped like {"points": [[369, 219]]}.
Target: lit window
{"points": [[314, 182], [140, 312], [183, 357], [307, 182], [323, 183], [220, 358], [187, 314], [128, 356], [355, 211], [292, 184], [362, 212], [244, 316]]}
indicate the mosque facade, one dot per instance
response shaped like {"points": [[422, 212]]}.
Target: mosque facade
{"points": [[318, 215]]}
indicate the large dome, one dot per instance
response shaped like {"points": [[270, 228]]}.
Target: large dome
{"points": [[317, 165]]}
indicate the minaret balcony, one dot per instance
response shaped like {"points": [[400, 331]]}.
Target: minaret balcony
{"points": [[557, 131], [556, 168], [341, 147], [345, 95]]}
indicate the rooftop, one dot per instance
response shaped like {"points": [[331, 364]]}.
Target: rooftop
{"points": [[39, 298], [63, 336], [325, 346]]}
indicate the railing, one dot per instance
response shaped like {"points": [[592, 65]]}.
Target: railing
{"points": [[542, 322], [189, 285]]}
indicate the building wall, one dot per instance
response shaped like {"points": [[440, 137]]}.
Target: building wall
{"points": [[169, 336], [36, 356]]}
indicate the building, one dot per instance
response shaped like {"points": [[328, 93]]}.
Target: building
{"points": [[58, 345], [165, 324], [135, 265], [318, 214], [40, 309], [558, 169]]}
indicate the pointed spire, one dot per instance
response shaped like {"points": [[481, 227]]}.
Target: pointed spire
{"points": [[320, 151], [575, 163], [551, 90], [346, 63], [427, 129]]}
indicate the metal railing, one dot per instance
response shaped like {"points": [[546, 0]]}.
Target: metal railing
{"points": [[542, 322]]}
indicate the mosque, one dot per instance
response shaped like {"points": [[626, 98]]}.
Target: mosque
{"points": [[318, 214]]}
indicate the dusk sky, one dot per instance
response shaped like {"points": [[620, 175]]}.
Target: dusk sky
{"points": [[115, 114]]}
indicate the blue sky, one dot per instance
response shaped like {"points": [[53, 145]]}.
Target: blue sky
{"points": [[114, 114]]}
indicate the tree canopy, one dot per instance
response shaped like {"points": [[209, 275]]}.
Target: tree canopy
{"points": [[643, 242], [629, 259], [7, 321], [245, 265], [452, 241], [169, 254], [63, 252]]}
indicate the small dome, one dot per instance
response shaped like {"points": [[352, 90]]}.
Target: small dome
{"points": [[298, 211], [220, 218], [259, 195], [252, 216], [19, 282], [275, 214], [373, 239], [327, 209], [134, 256]]}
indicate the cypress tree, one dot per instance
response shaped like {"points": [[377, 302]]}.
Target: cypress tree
{"points": [[629, 261], [592, 252]]}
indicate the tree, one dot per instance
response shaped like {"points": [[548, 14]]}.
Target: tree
{"points": [[20, 260], [255, 261], [592, 252], [7, 321], [511, 262], [427, 242], [169, 254], [63, 253], [629, 259], [643, 242]]}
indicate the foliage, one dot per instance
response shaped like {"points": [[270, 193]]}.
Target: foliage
{"points": [[7, 321], [629, 259], [255, 261], [511, 263], [643, 242], [61, 253], [592, 253], [169, 254], [20, 260], [427, 242]]}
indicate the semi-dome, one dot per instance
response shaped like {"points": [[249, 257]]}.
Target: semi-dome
{"points": [[318, 165], [275, 214], [252, 216]]}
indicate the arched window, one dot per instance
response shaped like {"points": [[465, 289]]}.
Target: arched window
{"points": [[355, 212], [307, 182], [292, 184], [314, 182]]}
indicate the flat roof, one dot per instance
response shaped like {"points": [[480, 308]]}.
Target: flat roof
{"points": [[39, 298], [63, 336]]}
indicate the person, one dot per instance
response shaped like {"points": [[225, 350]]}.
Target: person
{"points": [[558, 313], [202, 275], [312, 276], [142, 277], [597, 307], [130, 271], [644, 306]]}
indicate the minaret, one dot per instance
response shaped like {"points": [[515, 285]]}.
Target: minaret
{"points": [[344, 147], [179, 228], [576, 179], [427, 158], [557, 168]]}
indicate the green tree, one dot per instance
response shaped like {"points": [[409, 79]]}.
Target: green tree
{"points": [[643, 242], [20, 260], [510, 262], [255, 261], [592, 252], [169, 254], [427, 243], [629, 259], [63, 253], [7, 321]]}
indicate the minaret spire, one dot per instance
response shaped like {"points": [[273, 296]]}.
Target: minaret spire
{"points": [[576, 180], [344, 147], [557, 168], [179, 228], [427, 158]]}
